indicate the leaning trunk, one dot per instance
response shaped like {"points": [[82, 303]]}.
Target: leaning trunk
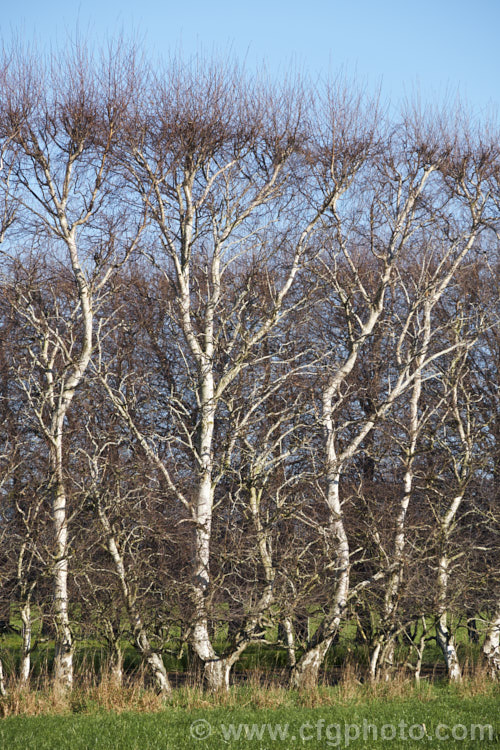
{"points": [[156, 668], [143, 645], [305, 674]]}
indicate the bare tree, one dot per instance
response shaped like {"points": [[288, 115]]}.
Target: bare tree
{"points": [[59, 132], [214, 174], [418, 183]]}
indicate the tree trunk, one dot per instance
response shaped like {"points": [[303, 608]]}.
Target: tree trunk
{"points": [[382, 657], [25, 667], [305, 674], [116, 665], [444, 636], [420, 647], [151, 657], [215, 674], [289, 642], [215, 670], [446, 642], [491, 647], [3, 691], [157, 668], [63, 656]]}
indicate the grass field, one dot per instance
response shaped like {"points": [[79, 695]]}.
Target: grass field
{"points": [[434, 716], [258, 711]]}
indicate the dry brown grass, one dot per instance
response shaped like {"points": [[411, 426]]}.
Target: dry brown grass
{"points": [[92, 695], [476, 682]]}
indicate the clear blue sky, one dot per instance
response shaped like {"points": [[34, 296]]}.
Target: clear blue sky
{"points": [[439, 47]]}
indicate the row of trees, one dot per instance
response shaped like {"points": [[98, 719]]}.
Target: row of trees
{"points": [[248, 365]]}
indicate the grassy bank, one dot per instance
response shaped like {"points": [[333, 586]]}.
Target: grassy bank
{"points": [[348, 715]]}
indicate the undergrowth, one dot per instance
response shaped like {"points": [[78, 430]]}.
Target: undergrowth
{"points": [[91, 696]]}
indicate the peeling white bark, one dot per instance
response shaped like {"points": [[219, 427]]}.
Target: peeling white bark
{"points": [[25, 666], [491, 647], [290, 642], [63, 655], [444, 636]]}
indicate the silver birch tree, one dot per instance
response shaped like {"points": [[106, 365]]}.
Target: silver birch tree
{"points": [[59, 130]]}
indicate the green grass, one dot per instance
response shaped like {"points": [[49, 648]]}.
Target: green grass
{"points": [[322, 726]]}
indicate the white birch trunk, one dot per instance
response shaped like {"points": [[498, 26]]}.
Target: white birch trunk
{"points": [[374, 658], [420, 650], [63, 658], [462, 471], [26, 591], [307, 669], [306, 672], [491, 647], [290, 642], [116, 665], [25, 667], [382, 656], [63, 655], [214, 670], [444, 636], [383, 647], [305, 675], [253, 620], [143, 645], [3, 691]]}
